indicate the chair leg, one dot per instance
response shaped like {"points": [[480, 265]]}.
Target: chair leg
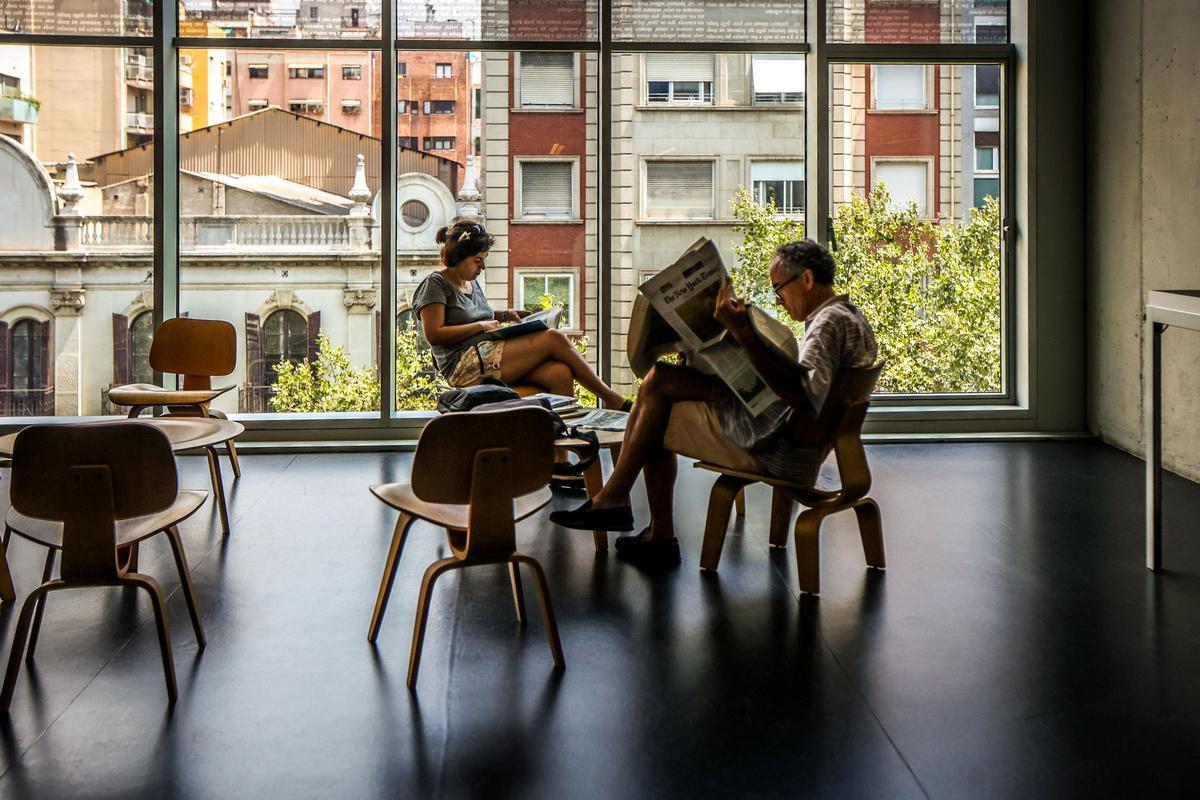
{"points": [[543, 594], [593, 482], [233, 458], [808, 550], [214, 471], [870, 528], [389, 574], [514, 573], [739, 503], [431, 575], [8, 592], [160, 622], [18, 647], [185, 582], [720, 503], [41, 606], [782, 506], [127, 558]]}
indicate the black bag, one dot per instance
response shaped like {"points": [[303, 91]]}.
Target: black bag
{"points": [[561, 430], [469, 397]]}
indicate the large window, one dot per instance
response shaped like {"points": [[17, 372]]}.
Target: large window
{"points": [[554, 138]]}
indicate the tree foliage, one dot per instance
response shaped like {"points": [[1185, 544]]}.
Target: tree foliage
{"points": [[930, 289]]}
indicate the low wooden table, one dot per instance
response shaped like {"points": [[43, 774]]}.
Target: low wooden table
{"points": [[185, 433], [593, 477]]}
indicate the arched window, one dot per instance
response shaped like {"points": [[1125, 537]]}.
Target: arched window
{"points": [[285, 338], [141, 333], [25, 388]]}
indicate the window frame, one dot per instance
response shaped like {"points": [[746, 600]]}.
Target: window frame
{"points": [[928, 81], [352, 72], [820, 53], [518, 105], [927, 162], [751, 161]]}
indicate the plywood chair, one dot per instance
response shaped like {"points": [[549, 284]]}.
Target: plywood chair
{"points": [[198, 350], [94, 492], [475, 475], [837, 427]]}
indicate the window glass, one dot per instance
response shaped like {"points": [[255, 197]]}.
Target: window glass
{"points": [[280, 19], [679, 189], [917, 21], [778, 79], [74, 18], [987, 86], [685, 78], [491, 20], [916, 223], [708, 20], [540, 290], [779, 183]]}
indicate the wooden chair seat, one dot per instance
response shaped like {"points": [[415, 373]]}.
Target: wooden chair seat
{"points": [[838, 427], [49, 532], [401, 497], [147, 394], [810, 495]]}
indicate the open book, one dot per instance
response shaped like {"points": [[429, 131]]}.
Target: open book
{"points": [[674, 314], [547, 319]]}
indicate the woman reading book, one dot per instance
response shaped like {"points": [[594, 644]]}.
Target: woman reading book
{"points": [[461, 326]]}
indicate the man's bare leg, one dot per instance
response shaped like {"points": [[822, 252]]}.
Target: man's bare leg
{"points": [[665, 385]]}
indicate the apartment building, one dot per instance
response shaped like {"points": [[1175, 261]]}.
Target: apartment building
{"points": [[331, 86], [434, 103]]}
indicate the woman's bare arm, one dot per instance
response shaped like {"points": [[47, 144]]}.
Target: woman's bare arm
{"points": [[433, 324]]}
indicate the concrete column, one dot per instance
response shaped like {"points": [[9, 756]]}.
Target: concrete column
{"points": [[67, 305], [360, 324]]}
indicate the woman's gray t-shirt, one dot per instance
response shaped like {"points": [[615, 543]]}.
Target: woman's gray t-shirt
{"points": [[461, 309]]}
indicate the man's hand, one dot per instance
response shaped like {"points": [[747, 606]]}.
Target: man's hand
{"points": [[733, 314]]}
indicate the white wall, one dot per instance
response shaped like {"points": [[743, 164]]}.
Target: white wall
{"points": [[1144, 174]]}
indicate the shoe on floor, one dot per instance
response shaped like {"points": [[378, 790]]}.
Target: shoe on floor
{"points": [[570, 484], [586, 518], [643, 551]]}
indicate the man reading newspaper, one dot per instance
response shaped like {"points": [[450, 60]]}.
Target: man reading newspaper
{"points": [[682, 410]]}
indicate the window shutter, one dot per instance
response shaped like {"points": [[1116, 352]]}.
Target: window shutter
{"points": [[47, 368], [122, 371], [314, 333], [679, 67], [5, 370], [900, 87], [254, 351], [546, 189], [906, 183], [547, 79], [679, 189]]}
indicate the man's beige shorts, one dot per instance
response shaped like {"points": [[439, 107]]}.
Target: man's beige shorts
{"points": [[695, 431]]}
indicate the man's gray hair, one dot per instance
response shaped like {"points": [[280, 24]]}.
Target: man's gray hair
{"points": [[795, 257]]}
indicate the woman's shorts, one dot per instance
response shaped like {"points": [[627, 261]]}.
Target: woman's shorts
{"points": [[478, 362]]}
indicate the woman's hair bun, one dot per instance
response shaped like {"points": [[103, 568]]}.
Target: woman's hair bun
{"points": [[440, 236]]}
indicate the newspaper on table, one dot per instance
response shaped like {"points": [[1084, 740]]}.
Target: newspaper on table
{"points": [[674, 313], [603, 420]]}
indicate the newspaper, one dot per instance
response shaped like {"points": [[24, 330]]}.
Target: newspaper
{"points": [[676, 315], [551, 316], [604, 420]]}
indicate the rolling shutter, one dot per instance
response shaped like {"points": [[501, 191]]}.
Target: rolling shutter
{"points": [[46, 366], [680, 189], [5, 370], [546, 189], [547, 80], [314, 334], [679, 67]]}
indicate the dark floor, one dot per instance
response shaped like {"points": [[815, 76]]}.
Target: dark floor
{"points": [[1016, 647]]}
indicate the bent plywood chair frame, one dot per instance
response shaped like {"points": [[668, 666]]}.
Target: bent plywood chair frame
{"points": [[94, 492], [197, 350], [837, 427], [475, 475]]}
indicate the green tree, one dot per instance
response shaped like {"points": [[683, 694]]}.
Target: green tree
{"points": [[328, 385], [931, 290]]}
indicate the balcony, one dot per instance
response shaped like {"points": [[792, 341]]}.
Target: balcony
{"points": [[18, 109], [27, 402], [137, 122], [139, 75], [212, 234]]}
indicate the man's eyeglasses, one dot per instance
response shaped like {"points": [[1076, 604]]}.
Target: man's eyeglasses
{"points": [[778, 288]]}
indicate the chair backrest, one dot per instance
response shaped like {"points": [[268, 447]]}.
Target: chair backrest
{"points": [[194, 348], [87, 477], [445, 459], [850, 384], [839, 427], [485, 459]]}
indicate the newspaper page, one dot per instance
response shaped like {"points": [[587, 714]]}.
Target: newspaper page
{"points": [[684, 295]]}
